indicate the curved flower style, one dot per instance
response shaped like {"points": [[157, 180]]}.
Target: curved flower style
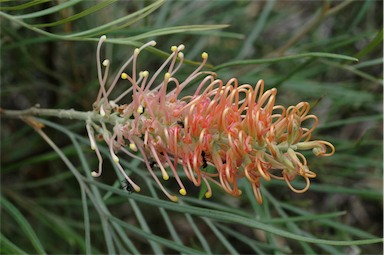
{"points": [[235, 128]]}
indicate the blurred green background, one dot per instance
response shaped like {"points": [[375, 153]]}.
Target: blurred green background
{"points": [[48, 58]]}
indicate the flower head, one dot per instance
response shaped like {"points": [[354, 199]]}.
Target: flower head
{"points": [[237, 129]]}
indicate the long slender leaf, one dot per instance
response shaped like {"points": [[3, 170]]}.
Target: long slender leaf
{"points": [[23, 224], [171, 244], [254, 34], [84, 35], [175, 30], [286, 58], [223, 216], [126, 21], [144, 226], [87, 228], [98, 6], [372, 45], [22, 6], [48, 11], [224, 241], [7, 247]]}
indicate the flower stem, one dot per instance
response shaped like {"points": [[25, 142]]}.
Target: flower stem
{"points": [[59, 113]]}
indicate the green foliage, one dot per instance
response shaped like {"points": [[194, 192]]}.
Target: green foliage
{"points": [[51, 204]]}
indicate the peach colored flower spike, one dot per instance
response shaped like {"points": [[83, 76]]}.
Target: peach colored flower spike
{"points": [[235, 128]]}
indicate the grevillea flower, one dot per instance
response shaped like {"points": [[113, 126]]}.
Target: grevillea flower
{"points": [[237, 129]]}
